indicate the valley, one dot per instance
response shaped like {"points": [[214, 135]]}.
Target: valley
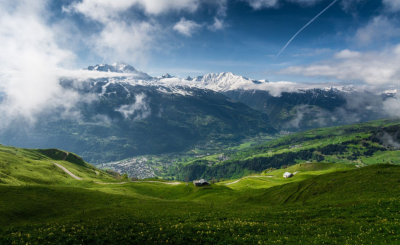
{"points": [[337, 199], [207, 122], [127, 113], [359, 144]]}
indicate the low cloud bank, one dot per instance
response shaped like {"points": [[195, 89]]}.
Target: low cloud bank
{"points": [[31, 57], [139, 110], [373, 68]]}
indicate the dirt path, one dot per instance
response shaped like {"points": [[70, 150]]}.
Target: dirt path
{"points": [[234, 182], [118, 183], [67, 153], [67, 171]]}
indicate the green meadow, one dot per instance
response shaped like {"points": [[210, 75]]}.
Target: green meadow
{"points": [[353, 202]]}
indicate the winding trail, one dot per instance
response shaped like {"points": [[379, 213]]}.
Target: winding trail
{"points": [[234, 182], [118, 183], [66, 155], [67, 171]]}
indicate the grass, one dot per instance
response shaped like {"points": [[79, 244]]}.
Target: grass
{"points": [[273, 178], [323, 203], [358, 144], [355, 206], [31, 167]]}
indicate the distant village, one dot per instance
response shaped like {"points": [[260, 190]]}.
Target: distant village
{"points": [[134, 167]]}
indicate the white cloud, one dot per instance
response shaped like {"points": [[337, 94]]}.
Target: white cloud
{"points": [[380, 28], [186, 27], [311, 52], [260, 4], [30, 58], [218, 25], [87, 74], [277, 88], [140, 109], [347, 54], [109, 9], [392, 106], [131, 42], [375, 68], [222, 7], [392, 5]]}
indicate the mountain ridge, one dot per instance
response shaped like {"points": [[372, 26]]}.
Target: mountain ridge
{"points": [[219, 82]]}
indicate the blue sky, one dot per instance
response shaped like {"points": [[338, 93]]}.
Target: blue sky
{"points": [[195, 37], [245, 43]]}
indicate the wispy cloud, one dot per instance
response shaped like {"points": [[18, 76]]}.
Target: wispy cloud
{"points": [[218, 25], [378, 30], [139, 110], [392, 5], [311, 52], [375, 68], [187, 27], [260, 4], [109, 9]]}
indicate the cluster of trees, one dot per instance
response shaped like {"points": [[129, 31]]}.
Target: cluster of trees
{"points": [[333, 149], [200, 169], [351, 149]]}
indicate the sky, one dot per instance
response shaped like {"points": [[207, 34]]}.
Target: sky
{"points": [[196, 37], [351, 42]]}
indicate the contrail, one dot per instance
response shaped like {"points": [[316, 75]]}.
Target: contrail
{"points": [[330, 5]]}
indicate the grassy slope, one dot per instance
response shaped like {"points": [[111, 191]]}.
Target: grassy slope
{"points": [[349, 206], [324, 202], [274, 178], [317, 138], [358, 185], [312, 146], [27, 167]]}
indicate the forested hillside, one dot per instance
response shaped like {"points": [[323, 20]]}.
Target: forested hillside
{"points": [[362, 144]]}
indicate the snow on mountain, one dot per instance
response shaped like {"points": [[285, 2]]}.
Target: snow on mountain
{"points": [[345, 89], [166, 75], [218, 82], [391, 92], [119, 67], [222, 82]]}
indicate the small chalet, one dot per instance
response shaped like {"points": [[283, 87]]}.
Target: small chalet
{"points": [[287, 175], [201, 182]]}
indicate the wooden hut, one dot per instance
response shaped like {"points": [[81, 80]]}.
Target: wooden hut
{"points": [[201, 182]]}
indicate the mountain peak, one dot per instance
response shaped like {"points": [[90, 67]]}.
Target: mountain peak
{"points": [[225, 81], [119, 63], [166, 75], [118, 67], [345, 88]]}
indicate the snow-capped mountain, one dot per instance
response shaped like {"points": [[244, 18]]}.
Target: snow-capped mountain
{"points": [[132, 113], [119, 67], [225, 81], [218, 82], [345, 89], [166, 75]]}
